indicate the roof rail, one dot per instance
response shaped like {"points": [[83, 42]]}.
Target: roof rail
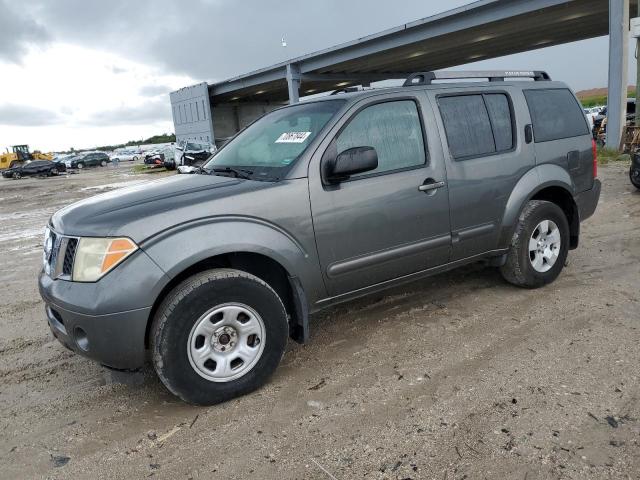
{"points": [[427, 78]]}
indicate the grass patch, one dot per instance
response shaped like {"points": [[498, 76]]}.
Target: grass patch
{"points": [[147, 169], [607, 155]]}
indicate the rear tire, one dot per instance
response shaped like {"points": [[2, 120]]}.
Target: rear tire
{"points": [[189, 328], [103, 163], [634, 176], [54, 171], [539, 246]]}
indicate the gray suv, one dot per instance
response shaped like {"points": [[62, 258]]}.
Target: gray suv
{"points": [[315, 204]]}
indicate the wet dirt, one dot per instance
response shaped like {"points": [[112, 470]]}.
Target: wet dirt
{"points": [[456, 376]]}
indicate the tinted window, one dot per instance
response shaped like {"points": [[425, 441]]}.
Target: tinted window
{"points": [[555, 114], [500, 115], [466, 121], [393, 129]]}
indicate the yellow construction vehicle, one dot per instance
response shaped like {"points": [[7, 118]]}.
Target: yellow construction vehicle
{"points": [[21, 154]]}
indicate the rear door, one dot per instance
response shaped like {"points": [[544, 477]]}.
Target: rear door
{"points": [[380, 225], [485, 153], [561, 133]]}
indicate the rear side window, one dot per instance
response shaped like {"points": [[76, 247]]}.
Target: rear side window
{"points": [[555, 114], [393, 129], [477, 125]]}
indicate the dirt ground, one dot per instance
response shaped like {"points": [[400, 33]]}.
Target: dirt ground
{"points": [[456, 376]]}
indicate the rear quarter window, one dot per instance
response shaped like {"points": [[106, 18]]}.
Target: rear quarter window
{"points": [[555, 114]]}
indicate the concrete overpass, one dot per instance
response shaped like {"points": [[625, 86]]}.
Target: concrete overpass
{"points": [[481, 30]]}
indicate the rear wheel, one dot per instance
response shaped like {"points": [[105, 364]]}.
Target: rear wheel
{"points": [[218, 335], [634, 176], [135, 158], [103, 163], [539, 246], [54, 171]]}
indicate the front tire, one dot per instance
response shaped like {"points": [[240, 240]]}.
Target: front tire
{"points": [[539, 246], [218, 335], [80, 166]]}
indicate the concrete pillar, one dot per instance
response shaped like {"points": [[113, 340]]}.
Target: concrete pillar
{"points": [[293, 82], [637, 42], [618, 70]]}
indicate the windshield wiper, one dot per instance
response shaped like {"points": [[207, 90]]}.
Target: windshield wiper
{"points": [[238, 172]]}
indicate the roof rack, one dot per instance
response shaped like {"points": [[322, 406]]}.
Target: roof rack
{"points": [[427, 78]]}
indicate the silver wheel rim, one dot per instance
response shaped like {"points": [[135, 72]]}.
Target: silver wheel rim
{"points": [[226, 342], [544, 246]]}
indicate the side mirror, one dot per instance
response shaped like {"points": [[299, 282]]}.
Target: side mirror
{"points": [[351, 162]]}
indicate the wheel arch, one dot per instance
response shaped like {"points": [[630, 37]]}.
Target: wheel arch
{"points": [[288, 287], [547, 182]]}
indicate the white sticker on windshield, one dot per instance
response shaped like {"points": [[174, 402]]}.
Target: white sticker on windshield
{"points": [[293, 137]]}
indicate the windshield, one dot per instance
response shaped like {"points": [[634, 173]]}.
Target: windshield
{"points": [[272, 144]]}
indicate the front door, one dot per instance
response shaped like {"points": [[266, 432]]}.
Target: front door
{"points": [[390, 222]]}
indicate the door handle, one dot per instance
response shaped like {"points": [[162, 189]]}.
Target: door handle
{"points": [[427, 187]]}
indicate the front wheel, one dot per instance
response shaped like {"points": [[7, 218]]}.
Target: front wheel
{"points": [[218, 335], [17, 175], [80, 166], [539, 246]]}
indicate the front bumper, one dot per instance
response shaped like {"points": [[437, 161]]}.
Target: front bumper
{"points": [[115, 340], [105, 321], [587, 201]]}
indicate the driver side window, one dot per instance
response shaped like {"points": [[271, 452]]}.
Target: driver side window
{"points": [[393, 129]]}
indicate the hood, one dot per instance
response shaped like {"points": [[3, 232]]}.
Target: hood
{"points": [[142, 210]]}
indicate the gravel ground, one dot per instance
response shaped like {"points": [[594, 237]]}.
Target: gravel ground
{"points": [[456, 376]]}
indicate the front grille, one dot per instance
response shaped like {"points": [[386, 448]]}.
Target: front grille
{"points": [[69, 256], [63, 252]]}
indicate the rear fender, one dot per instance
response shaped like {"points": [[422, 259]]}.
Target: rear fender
{"points": [[532, 182]]}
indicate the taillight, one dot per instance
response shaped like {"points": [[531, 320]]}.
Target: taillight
{"points": [[595, 158]]}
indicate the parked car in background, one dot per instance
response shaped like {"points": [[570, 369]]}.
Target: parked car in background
{"points": [[154, 157], [634, 171], [599, 128], [315, 204], [35, 168], [90, 159], [190, 155], [124, 156]]}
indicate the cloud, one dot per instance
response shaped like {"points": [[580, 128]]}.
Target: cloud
{"points": [[214, 39], [27, 116], [155, 90], [147, 113], [17, 32]]}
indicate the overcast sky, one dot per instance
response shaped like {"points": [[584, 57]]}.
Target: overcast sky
{"points": [[89, 72]]}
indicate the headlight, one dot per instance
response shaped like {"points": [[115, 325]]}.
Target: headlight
{"points": [[97, 256]]}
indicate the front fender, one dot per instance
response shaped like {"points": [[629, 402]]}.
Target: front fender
{"points": [[186, 244], [532, 182]]}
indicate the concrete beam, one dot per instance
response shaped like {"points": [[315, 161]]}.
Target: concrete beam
{"points": [[618, 71]]}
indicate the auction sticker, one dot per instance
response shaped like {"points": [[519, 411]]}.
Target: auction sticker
{"points": [[293, 137]]}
